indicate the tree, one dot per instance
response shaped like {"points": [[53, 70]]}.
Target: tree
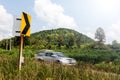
{"points": [[60, 41], [69, 42], [115, 44], [48, 45], [100, 35], [78, 41]]}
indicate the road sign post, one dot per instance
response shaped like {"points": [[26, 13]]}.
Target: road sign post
{"points": [[20, 52], [24, 31]]}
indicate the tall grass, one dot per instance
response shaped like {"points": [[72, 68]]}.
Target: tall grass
{"points": [[35, 70]]}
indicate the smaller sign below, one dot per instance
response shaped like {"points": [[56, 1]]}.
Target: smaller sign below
{"points": [[22, 59], [16, 26]]}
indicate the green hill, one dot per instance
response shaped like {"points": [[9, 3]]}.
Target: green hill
{"points": [[61, 37], [55, 38]]}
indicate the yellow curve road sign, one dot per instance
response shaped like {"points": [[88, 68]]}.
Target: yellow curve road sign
{"points": [[25, 24]]}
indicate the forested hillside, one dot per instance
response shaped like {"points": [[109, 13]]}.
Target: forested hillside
{"points": [[59, 38], [55, 38]]}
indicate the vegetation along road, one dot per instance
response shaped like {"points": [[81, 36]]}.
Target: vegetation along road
{"points": [[95, 60]]}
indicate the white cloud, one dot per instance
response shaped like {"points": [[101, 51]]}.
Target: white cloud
{"points": [[53, 14], [6, 21], [105, 7], [113, 32], [91, 35]]}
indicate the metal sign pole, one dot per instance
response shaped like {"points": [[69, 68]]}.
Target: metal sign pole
{"points": [[20, 53]]}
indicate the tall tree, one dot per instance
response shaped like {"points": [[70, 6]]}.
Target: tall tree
{"points": [[100, 35]]}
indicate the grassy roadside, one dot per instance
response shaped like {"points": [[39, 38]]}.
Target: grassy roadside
{"points": [[34, 70]]}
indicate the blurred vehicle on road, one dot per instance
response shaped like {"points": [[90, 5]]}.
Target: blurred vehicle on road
{"points": [[52, 56]]}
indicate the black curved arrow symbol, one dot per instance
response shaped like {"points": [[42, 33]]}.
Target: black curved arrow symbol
{"points": [[27, 26]]}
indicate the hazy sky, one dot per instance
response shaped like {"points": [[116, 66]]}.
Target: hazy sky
{"points": [[84, 16]]}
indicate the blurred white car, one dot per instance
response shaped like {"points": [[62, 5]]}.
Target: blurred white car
{"points": [[51, 56]]}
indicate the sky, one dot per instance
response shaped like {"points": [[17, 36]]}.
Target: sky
{"points": [[84, 16]]}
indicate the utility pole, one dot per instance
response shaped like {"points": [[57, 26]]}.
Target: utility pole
{"points": [[10, 44], [6, 44]]}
